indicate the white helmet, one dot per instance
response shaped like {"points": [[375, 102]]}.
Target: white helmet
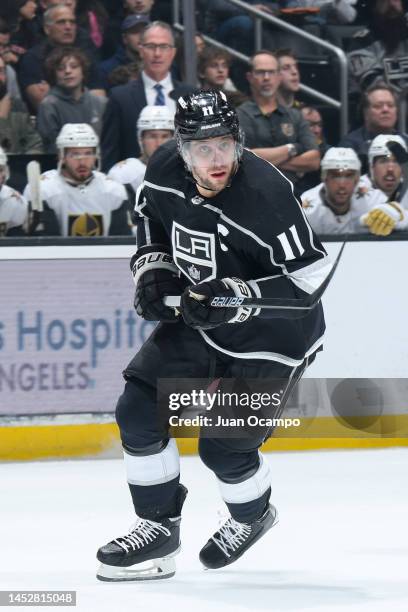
{"points": [[154, 118], [340, 158], [3, 163], [77, 135], [378, 147]]}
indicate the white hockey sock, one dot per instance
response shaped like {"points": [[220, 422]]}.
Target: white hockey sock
{"points": [[153, 469], [250, 489]]}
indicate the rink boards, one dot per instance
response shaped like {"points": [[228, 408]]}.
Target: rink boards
{"points": [[67, 329]]}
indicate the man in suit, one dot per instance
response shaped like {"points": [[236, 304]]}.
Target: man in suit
{"points": [[153, 87]]}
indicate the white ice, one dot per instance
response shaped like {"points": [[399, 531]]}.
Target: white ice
{"points": [[341, 543]]}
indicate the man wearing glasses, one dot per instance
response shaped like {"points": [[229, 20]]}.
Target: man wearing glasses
{"points": [[153, 87], [278, 134]]}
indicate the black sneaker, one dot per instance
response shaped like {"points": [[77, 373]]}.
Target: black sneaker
{"points": [[146, 552], [233, 539]]}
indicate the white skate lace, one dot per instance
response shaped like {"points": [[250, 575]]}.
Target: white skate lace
{"points": [[231, 535], [141, 533]]}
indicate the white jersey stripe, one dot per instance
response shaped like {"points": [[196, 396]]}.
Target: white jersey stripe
{"points": [[269, 356], [168, 189], [147, 231]]}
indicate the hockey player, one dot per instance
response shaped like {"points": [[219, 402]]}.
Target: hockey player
{"points": [[345, 203], [13, 207], [155, 126], [213, 218], [385, 169], [77, 199]]}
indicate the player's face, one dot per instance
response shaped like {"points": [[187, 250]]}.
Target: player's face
{"points": [[387, 173], [289, 73], [212, 162], [340, 185], [216, 73], [153, 139], [69, 73], [78, 163]]}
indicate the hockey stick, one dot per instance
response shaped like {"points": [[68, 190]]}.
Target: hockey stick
{"points": [[33, 179], [299, 304]]}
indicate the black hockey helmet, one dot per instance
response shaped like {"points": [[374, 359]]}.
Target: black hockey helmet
{"points": [[206, 114]]}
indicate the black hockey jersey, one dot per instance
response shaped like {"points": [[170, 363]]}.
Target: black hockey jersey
{"points": [[255, 230]]}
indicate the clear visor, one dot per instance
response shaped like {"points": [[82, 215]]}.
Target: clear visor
{"points": [[77, 155], [220, 152], [342, 175], [383, 160]]}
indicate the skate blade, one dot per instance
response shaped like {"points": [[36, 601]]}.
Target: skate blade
{"points": [[156, 569]]}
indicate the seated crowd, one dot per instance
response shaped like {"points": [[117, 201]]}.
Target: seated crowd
{"points": [[93, 84]]}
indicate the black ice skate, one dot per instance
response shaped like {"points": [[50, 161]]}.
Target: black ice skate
{"points": [[233, 539], [147, 552]]}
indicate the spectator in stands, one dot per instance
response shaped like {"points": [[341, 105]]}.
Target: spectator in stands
{"points": [[93, 18], [387, 37], [315, 121], [178, 69], [200, 43], [123, 74], [128, 51], [230, 24], [5, 52], [44, 5], [385, 170], [61, 30], [290, 78], [77, 199], [379, 106], [26, 32], [276, 133], [155, 126], [213, 69], [331, 11], [13, 207], [17, 134], [343, 204], [153, 87], [68, 100], [138, 7]]}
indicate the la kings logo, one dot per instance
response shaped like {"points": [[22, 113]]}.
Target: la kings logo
{"points": [[194, 253]]}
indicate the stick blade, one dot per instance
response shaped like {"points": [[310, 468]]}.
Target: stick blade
{"points": [[33, 179]]}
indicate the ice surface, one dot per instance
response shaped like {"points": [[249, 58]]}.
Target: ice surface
{"points": [[341, 544]]}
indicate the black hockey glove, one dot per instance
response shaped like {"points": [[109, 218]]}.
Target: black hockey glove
{"points": [[199, 314], [155, 276]]}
